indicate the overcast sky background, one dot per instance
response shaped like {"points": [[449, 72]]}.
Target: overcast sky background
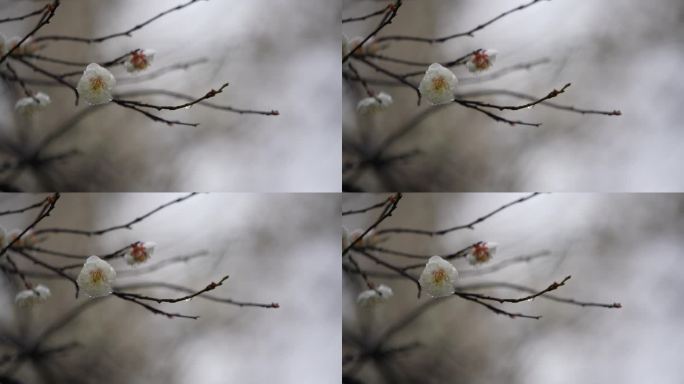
{"points": [[618, 248], [618, 54], [276, 248], [276, 54]]}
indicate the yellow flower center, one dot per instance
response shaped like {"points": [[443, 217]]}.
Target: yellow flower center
{"points": [[97, 276], [439, 276], [439, 83], [97, 83]]}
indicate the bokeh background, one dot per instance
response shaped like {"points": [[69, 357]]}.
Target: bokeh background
{"points": [[623, 248], [276, 248], [276, 54], [618, 54]]}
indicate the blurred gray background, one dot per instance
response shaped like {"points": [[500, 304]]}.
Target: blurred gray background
{"points": [[618, 54], [623, 248], [276, 248], [276, 54]]}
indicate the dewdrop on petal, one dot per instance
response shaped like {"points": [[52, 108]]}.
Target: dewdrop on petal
{"points": [[481, 252], [96, 85], [438, 85], [30, 297], [96, 277], [374, 296], [139, 253], [139, 60], [438, 277], [375, 103], [29, 105], [481, 60]]}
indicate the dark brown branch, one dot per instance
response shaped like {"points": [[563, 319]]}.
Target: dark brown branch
{"points": [[26, 16], [127, 33], [48, 14], [189, 104], [393, 75], [49, 267], [498, 310], [367, 16], [500, 300], [119, 60], [154, 117], [470, 225], [208, 288], [468, 33], [202, 296], [391, 267], [386, 213], [496, 117], [522, 288], [550, 95], [45, 212], [387, 20], [154, 310], [22, 210], [128, 225], [364, 210], [207, 104], [359, 271], [51, 76], [582, 111]]}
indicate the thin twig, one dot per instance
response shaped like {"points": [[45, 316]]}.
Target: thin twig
{"points": [[127, 225], [127, 33]]}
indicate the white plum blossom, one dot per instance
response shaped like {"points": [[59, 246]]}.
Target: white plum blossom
{"points": [[139, 252], [375, 103], [481, 60], [370, 47], [139, 60], [374, 296], [13, 234], [11, 43], [96, 277], [438, 84], [28, 47], [27, 240], [31, 104], [30, 297], [481, 252], [438, 278], [370, 239], [96, 85]]}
